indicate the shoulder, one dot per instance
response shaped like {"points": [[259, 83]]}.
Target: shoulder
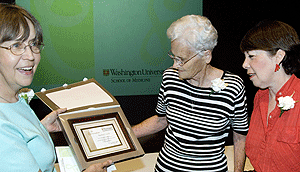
{"points": [[234, 81], [233, 77], [297, 83], [295, 88], [170, 74]]}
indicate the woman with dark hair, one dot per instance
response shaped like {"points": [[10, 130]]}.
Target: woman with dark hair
{"points": [[25, 144], [272, 53]]}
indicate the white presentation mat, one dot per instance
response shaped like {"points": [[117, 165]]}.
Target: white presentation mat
{"points": [[83, 95]]}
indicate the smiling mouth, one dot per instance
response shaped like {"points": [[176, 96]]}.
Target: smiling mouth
{"points": [[25, 70]]}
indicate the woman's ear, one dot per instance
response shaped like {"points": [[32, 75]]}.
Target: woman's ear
{"points": [[208, 56], [280, 54]]}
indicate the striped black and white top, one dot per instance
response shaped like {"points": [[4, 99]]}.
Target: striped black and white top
{"points": [[198, 122]]}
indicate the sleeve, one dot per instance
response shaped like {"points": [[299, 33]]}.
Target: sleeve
{"points": [[161, 107], [239, 122], [15, 156]]}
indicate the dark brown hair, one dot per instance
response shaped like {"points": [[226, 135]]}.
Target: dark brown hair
{"points": [[13, 24], [272, 35]]}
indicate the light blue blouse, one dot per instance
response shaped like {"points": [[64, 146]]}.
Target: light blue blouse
{"points": [[25, 144]]}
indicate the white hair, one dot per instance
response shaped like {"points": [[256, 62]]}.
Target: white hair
{"points": [[196, 30]]}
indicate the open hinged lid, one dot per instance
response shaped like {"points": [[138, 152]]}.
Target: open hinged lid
{"points": [[78, 96], [94, 125]]}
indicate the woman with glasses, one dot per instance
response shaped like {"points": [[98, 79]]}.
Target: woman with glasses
{"points": [[197, 104], [25, 144]]}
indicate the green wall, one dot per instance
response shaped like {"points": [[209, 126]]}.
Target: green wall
{"points": [[120, 43]]}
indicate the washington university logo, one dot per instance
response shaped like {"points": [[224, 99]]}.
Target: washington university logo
{"points": [[105, 72], [132, 73]]}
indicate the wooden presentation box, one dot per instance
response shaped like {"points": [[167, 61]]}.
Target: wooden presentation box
{"points": [[94, 124]]}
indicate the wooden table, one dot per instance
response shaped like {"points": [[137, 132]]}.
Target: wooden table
{"points": [[148, 161], [229, 152]]}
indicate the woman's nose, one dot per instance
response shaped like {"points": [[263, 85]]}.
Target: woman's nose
{"points": [[245, 64], [28, 54], [175, 65]]}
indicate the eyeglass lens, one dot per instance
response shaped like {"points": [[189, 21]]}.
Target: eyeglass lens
{"points": [[19, 48], [173, 57]]}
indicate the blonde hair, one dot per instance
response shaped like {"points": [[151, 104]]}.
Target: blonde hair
{"points": [[196, 30]]}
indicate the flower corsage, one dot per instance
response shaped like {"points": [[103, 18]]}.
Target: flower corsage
{"points": [[286, 103], [218, 85], [27, 94]]}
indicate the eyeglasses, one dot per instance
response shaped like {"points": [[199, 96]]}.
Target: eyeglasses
{"points": [[19, 48], [178, 61]]}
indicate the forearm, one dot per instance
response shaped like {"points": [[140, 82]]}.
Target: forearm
{"points": [[239, 152], [151, 125]]}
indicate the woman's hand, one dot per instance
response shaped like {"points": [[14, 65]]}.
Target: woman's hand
{"points": [[50, 121], [99, 167]]}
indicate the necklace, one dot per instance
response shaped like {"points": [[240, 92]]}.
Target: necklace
{"points": [[5, 100]]}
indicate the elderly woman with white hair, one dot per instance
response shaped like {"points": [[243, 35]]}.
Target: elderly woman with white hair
{"points": [[197, 103]]}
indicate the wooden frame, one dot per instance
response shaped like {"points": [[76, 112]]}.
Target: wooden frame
{"points": [[95, 132]]}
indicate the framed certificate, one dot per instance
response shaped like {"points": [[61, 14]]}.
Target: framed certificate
{"points": [[96, 131], [101, 135]]}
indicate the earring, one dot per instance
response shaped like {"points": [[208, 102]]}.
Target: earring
{"points": [[277, 68]]}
